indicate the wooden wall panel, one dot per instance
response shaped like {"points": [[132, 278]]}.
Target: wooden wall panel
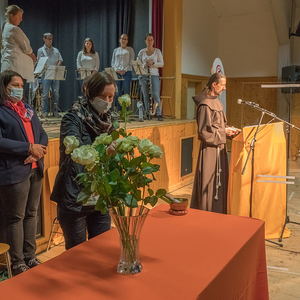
{"points": [[295, 119], [249, 89]]}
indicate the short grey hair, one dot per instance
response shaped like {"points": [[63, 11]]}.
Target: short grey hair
{"points": [[47, 34]]}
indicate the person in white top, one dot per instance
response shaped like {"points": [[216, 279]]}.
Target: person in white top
{"points": [[54, 59], [88, 59], [122, 63], [16, 54], [151, 59]]}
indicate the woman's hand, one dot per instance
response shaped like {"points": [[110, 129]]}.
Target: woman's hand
{"points": [[32, 56], [37, 150], [29, 160]]}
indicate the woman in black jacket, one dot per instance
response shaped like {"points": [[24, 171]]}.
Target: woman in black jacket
{"points": [[86, 120], [22, 148]]}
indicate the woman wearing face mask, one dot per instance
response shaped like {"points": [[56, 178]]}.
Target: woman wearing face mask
{"points": [[22, 148], [122, 63], [86, 120]]}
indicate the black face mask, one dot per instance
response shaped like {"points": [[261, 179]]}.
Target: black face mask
{"points": [[100, 105]]}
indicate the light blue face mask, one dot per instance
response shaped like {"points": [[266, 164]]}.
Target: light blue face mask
{"points": [[16, 94]]}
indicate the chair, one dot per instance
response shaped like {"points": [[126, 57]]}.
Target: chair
{"points": [[4, 248], [167, 93], [51, 174]]}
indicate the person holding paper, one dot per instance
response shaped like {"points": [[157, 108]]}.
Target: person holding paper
{"points": [[151, 59], [88, 59], [122, 63], [16, 54], [54, 59], [210, 183]]}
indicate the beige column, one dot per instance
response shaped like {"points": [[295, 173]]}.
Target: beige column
{"points": [[172, 48]]}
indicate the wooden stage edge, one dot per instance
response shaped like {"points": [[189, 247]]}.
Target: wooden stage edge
{"points": [[167, 134]]}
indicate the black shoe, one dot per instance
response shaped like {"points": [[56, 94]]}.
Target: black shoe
{"points": [[160, 118], [141, 120], [33, 262], [18, 269]]}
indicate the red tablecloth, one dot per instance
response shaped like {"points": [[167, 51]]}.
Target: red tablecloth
{"points": [[198, 256]]}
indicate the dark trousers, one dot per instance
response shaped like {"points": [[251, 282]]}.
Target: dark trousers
{"points": [[19, 205], [76, 225]]}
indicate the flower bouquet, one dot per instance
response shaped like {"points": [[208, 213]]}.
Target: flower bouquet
{"points": [[118, 172]]}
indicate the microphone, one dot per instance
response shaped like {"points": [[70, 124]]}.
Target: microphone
{"points": [[240, 101]]}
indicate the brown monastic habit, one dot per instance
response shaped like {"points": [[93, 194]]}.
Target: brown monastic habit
{"points": [[210, 184]]}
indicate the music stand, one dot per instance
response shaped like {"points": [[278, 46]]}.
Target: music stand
{"points": [[141, 71], [40, 66], [55, 73], [139, 68], [112, 73], [82, 73]]}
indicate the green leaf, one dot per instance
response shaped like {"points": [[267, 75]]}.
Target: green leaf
{"points": [[153, 201], [115, 135], [94, 186], [150, 191], [101, 205], [82, 197], [116, 124], [135, 162], [122, 132], [147, 170], [114, 175], [160, 193], [130, 201]]}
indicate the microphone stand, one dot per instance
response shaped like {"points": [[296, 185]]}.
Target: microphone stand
{"points": [[252, 147]]}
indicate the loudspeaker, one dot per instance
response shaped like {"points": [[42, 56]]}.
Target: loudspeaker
{"points": [[186, 156], [290, 74]]}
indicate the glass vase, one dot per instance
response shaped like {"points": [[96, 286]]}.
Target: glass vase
{"points": [[129, 223]]}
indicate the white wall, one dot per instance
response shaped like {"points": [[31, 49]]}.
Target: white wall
{"points": [[199, 37], [295, 41], [248, 45], [244, 39]]}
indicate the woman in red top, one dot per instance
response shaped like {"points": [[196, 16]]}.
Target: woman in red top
{"points": [[22, 148]]}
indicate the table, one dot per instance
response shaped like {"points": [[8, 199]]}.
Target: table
{"points": [[201, 255]]}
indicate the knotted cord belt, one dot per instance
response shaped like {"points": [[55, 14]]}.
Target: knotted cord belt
{"points": [[218, 174]]}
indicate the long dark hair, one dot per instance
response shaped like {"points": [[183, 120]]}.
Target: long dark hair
{"points": [[96, 83], [216, 77], [84, 48], [5, 79]]}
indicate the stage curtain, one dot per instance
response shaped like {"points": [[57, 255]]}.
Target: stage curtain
{"points": [[71, 22], [269, 199], [157, 22]]}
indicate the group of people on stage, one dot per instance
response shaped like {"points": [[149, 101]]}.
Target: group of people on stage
{"points": [[17, 55], [23, 141]]}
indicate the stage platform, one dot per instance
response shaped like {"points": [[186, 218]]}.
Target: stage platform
{"points": [[52, 125]]}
